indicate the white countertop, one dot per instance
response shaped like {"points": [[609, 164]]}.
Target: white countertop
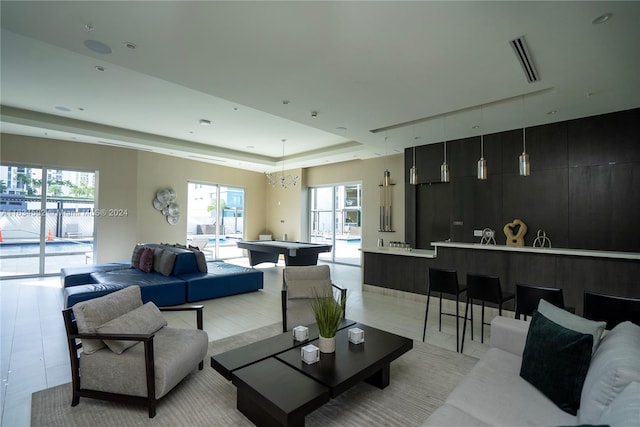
{"points": [[420, 253], [529, 249]]}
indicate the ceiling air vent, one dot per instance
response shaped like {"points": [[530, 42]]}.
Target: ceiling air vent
{"points": [[519, 46]]}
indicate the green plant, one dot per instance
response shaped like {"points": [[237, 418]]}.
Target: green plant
{"points": [[328, 313]]}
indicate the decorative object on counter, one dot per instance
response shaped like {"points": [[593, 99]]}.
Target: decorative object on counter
{"points": [[380, 243], [541, 241], [515, 232], [165, 202], [488, 237], [385, 202], [310, 354], [401, 245]]}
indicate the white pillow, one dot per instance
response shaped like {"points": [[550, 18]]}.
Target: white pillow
{"points": [[624, 411], [571, 321], [614, 365]]}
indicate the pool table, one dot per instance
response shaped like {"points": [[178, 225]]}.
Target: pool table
{"points": [[295, 253]]}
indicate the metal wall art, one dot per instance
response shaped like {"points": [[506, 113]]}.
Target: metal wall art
{"points": [[165, 202]]}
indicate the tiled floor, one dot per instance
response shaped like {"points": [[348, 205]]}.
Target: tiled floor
{"points": [[35, 357]]}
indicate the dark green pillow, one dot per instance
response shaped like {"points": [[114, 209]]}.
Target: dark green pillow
{"points": [[555, 361]]}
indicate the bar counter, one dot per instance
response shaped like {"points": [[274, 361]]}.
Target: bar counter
{"points": [[573, 270]]}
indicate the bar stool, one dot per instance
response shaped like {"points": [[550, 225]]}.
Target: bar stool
{"points": [[486, 289], [611, 309], [444, 282], [528, 297]]}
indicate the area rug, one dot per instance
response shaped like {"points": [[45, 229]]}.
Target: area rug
{"points": [[420, 382]]}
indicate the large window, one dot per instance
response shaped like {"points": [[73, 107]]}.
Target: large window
{"points": [[46, 219], [335, 218], [215, 219]]}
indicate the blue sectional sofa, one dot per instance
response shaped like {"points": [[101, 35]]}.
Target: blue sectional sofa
{"points": [[189, 280]]}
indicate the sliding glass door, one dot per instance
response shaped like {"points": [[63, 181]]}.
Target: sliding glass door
{"points": [[46, 219], [215, 219], [335, 218]]}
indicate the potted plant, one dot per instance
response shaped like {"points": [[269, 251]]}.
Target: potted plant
{"points": [[328, 313]]}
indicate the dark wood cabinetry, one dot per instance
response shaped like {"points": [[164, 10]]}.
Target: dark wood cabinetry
{"points": [[582, 191]]}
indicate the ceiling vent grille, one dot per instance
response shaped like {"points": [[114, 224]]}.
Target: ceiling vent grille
{"points": [[519, 46]]}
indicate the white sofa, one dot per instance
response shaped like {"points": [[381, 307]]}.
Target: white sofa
{"points": [[494, 394]]}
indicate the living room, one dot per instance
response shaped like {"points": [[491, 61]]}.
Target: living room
{"points": [[130, 173]]}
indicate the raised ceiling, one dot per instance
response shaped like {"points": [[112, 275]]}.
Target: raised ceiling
{"points": [[257, 71]]}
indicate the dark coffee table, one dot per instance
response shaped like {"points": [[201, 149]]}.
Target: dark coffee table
{"points": [[276, 388], [353, 363]]}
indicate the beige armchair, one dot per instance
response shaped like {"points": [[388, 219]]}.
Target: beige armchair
{"points": [[299, 286], [126, 352]]}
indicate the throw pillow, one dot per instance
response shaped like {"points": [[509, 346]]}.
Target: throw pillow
{"points": [[135, 256], [98, 311], [145, 319], [624, 411], [146, 260], [555, 360], [167, 261], [614, 365], [571, 321], [201, 260], [157, 257]]}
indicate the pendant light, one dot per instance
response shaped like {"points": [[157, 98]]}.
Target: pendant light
{"points": [[482, 163], [523, 160], [413, 172], [444, 167]]}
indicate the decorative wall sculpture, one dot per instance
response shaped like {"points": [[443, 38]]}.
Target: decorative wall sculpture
{"points": [[165, 202]]}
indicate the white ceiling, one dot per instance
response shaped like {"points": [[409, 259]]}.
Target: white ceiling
{"points": [[361, 65]]}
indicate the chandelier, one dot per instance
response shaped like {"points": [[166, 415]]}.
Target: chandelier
{"points": [[283, 180]]}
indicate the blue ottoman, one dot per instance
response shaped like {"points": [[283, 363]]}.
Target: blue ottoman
{"points": [[222, 280]]}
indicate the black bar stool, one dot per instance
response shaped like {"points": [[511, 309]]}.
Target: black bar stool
{"points": [[611, 309], [444, 282], [528, 297], [486, 289]]}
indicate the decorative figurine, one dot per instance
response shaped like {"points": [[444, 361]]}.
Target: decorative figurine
{"points": [[542, 241], [488, 237], [515, 232]]}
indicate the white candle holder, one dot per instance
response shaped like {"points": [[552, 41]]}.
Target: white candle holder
{"points": [[356, 335], [300, 333], [310, 354]]}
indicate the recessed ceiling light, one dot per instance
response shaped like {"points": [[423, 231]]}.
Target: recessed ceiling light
{"points": [[99, 68], [602, 18], [285, 102], [341, 128], [235, 108], [61, 108], [129, 45], [80, 109], [250, 147], [205, 122], [88, 28], [475, 127], [97, 47], [552, 112]]}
